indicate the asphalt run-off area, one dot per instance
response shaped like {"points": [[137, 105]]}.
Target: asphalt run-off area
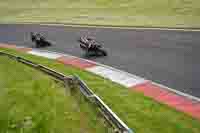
{"points": [[167, 57]]}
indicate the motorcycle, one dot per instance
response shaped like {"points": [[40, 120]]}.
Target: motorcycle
{"points": [[90, 46], [39, 40]]}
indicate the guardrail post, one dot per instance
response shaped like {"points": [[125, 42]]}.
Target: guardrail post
{"points": [[68, 85], [72, 88], [77, 92]]}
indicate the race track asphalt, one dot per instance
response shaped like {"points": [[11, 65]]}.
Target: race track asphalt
{"points": [[171, 58]]}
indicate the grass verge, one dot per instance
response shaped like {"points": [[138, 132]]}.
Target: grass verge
{"points": [[137, 111], [165, 13], [32, 102]]}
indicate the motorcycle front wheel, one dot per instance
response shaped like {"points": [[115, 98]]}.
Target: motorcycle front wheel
{"points": [[103, 52]]}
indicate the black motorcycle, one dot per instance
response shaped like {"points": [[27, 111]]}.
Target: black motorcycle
{"points": [[90, 46], [39, 40]]}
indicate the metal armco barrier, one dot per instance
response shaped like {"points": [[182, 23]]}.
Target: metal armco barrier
{"points": [[109, 115]]}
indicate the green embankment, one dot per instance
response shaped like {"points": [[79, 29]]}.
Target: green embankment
{"points": [[137, 111], [32, 102], [161, 13]]}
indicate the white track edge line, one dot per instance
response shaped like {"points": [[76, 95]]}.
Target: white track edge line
{"points": [[115, 69], [116, 27], [97, 63], [162, 86]]}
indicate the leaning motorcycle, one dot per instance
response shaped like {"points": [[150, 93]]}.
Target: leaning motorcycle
{"points": [[39, 40], [95, 49]]}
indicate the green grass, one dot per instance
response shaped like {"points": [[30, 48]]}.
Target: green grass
{"points": [[32, 102], [161, 13], [137, 111]]}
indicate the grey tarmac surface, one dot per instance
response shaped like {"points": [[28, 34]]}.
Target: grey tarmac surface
{"points": [[171, 58]]}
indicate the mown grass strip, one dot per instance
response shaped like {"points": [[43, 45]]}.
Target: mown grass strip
{"points": [[167, 13]]}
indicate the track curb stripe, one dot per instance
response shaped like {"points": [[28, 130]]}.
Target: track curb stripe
{"points": [[82, 64], [11, 46], [169, 98], [45, 54], [23, 49], [116, 76], [175, 99]]}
